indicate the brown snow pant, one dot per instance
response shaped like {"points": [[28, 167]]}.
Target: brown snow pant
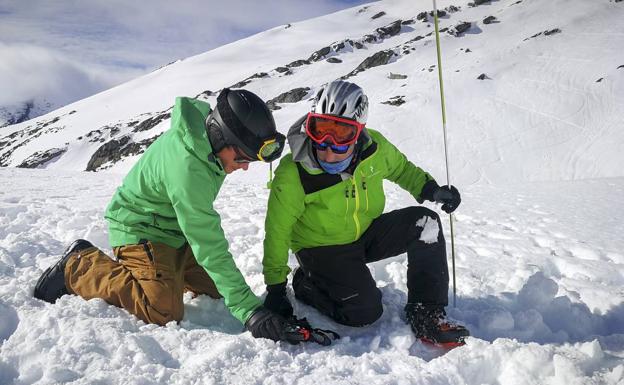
{"points": [[146, 279]]}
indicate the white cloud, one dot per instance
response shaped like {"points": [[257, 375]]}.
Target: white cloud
{"points": [[67, 50], [28, 72]]}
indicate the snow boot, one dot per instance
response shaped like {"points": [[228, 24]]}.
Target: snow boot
{"points": [[429, 323], [51, 284]]}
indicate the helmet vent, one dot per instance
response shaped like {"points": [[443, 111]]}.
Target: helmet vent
{"points": [[331, 109], [324, 107], [343, 109]]}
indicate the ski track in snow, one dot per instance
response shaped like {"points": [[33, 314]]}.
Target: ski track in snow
{"points": [[540, 284]]}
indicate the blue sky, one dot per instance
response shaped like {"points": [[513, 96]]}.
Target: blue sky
{"points": [[74, 48]]}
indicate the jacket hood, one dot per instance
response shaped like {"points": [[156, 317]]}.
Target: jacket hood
{"points": [[303, 152], [188, 119]]}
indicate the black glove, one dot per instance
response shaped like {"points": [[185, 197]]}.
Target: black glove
{"points": [[277, 301], [263, 323], [449, 197]]}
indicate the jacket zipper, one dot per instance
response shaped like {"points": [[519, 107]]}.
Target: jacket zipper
{"points": [[355, 195], [365, 190]]}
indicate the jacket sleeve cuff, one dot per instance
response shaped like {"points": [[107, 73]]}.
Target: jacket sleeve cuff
{"points": [[426, 194]]}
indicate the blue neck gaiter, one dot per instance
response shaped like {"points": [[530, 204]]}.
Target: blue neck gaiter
{"points": [[336, 167]]}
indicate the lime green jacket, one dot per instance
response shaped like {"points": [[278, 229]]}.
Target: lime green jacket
{"points": [[332, 211], [168, 197]]}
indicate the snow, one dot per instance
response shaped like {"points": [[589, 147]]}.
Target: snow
{"points": [[430, 231], [539, 312], [535, 151]]}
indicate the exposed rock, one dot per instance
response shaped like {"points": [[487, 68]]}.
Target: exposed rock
{"points": [[320, 54], [358, 45], [408, 22], [108, 152], [389, 30], [337, 47], [422, 16], [480, 2], [370, 38], [205, 94], [282, 69], [115, 150], [395, 100], [287, 26], [599, 80], [54, 120], [468, 50], [377, 59], [292, 96], [378, 15], [298, 63], [150, 123], [490, 20], [414, 39], [243, 83], [363, 9], [483, 77], [396, 76], [452, 9], [621, 66], [460, 28], [41, 157], [552, 32], [546, 33], [333, 60], [441, 13]]}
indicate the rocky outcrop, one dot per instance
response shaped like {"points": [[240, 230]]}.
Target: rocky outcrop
{"points": [[490, 20], [460, 28], [152, 122], [395, 101], [320, 54], [40, 158], [378, 59], [117, 149], [378, 15], [483, 77], [334, 60], [292, 96], [545, 33], [298, 63], [389, 30], [248, 80]]}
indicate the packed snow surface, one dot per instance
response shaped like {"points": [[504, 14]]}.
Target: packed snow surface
{"points": [[540, 278], [535, 149]]}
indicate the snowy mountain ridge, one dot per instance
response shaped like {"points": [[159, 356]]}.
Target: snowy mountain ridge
{"points": [[529, 96]]}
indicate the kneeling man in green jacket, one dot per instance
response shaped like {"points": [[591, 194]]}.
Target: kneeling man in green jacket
{"points": [[164, 230], [326, 205]]}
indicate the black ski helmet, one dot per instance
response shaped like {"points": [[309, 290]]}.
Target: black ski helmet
{"points": [[242, 119]]}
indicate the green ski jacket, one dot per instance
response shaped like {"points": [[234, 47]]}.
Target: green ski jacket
{"points": [[168, 197], [309, 208]]}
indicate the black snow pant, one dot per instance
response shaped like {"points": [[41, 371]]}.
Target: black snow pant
{"points": [[336, 281]]}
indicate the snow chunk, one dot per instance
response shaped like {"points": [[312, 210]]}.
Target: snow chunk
{"points": [[430, 230]]}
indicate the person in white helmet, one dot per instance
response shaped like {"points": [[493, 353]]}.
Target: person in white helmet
{"points": [[326, 205]]}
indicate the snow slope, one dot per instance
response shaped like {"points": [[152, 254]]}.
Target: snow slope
{"points": [[535, 150], [540, 284], [542, 115]]}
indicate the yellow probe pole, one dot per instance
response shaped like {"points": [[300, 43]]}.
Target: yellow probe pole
{"points": [[448, 178]]}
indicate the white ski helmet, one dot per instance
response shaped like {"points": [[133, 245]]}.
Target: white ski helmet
{"points": [[342, 99]]}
